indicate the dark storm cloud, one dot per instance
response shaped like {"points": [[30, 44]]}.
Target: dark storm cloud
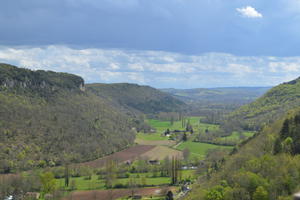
{"points": [[185, 26]]}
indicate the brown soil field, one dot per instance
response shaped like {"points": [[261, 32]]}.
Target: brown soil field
{"points": [[115, 194], [161, 152], [126, 155]]}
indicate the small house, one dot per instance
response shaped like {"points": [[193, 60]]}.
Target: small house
{"points": [[154, 162]]}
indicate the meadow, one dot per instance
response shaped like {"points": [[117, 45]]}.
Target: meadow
{"points": [[96, 183], [197, 149]]}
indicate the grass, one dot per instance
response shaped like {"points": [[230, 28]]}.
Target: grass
{"points": [[236, 135], [162, 126], [95, 184], [151, 136], [199, 149]]}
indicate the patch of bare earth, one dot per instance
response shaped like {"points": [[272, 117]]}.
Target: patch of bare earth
{"points": [[161, 152], [129, 154]]}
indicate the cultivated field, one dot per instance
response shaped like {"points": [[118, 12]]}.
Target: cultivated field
{"points": [[129, 154], [161, 152]]}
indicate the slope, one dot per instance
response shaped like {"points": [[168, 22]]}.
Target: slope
{"points": [[269, 107], [136, 98], [266, 167], [47, 118]]}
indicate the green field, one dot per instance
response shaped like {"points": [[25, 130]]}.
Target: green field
{"points": [[151, 136], [199, 149], [94, 183], [235, 135], [162, 126]]}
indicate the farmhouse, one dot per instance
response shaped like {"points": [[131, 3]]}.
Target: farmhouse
{"points": [[153, 162]]}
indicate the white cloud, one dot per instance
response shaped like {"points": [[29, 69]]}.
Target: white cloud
{"points": [[291, 67], [249, 12], [156, 68]]}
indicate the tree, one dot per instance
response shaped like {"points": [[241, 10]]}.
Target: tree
{"points": [[277, 146], [169, 195], [214, 194], [175, 170], [132, 184], [172, 121], [143, 181], [73, 185], [186, 153], [260, 194], [110, 170], [285, 128], [48, 182], [288, 145], [67, 175], [184, 137]]}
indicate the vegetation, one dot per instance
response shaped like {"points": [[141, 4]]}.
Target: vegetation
{"points": [[267, 109], [42, 128], [199, 149], [215, 103], [240, 95], [50, 121], [136, 98], [266, 167]]}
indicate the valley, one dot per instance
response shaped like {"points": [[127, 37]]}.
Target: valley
{"points": [[64, 139]]}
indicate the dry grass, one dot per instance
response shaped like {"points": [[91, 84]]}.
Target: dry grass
{"points": [[160, 152]]}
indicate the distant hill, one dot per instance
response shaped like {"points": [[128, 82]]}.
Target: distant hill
{"points": [[137, 98], [230, 95], [47, 118], [268, 108]]}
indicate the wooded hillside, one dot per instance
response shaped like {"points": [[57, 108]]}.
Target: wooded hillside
{"points": [[270, 107], [265, 168], [136, 98], [47, 118]]}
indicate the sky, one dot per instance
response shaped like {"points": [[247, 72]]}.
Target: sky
{"points": [[162, 43]]}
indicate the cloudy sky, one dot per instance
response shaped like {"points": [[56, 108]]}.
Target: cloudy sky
{"points": [[162, 43]]}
